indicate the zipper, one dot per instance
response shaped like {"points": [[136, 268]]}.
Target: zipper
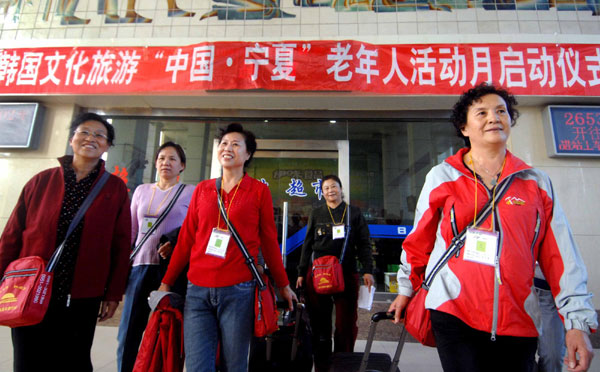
{"points": [[497, 279], [537, 232], [453, 222], [454, 227], [17, 276], [68, 300], [9, 273]]}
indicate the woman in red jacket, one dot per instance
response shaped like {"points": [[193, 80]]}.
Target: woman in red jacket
{"points": [[90, 276], [219, 303], [484, 310]]}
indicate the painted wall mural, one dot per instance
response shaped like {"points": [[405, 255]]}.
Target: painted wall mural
{"points": [[270, 9]]}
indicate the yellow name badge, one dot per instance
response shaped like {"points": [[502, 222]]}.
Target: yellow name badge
{"points": [[481, 246], [147, 223], [338, 232], [218, 242]]}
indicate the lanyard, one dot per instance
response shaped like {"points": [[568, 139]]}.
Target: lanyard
{"points": [[344, 214], [230, 204], [493, 224], [160, 204]]}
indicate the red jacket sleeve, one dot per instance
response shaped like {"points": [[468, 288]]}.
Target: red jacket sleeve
{"points": [[418, 245]]}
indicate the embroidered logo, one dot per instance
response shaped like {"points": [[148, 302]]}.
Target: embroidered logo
{"points": [[8, 298], [513, 200]]}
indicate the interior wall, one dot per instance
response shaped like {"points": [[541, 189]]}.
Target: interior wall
{"points": [[17, 166]]}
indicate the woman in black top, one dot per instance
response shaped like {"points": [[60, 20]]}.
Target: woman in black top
{"points": [[325, 236]]}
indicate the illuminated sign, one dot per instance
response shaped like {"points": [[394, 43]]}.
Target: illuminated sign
{"points": [[572, 130]]}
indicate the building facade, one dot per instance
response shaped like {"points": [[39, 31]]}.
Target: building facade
{"points": [[358, 88]]}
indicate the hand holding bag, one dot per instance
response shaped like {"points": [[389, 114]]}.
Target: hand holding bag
{"points": [[265, 307], [26, 286], [417, 320]]}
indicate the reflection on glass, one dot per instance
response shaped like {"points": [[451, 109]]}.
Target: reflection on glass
{"points": [[388, 162]]}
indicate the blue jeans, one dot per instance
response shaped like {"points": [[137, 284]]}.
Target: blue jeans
{"points": [[551, 342], [143, 279], [224, 314]]}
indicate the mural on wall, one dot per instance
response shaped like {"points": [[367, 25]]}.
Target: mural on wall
{"points": [[270, 9], [66, 10]]}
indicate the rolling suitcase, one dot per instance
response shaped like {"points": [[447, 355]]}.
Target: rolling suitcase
{"points": [[286, 350], [367, 361]]}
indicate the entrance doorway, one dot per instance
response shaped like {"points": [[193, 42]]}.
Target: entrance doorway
{"points": [[293, 170]]}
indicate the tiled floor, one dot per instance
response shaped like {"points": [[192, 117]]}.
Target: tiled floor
{"points": [[414, 358]]}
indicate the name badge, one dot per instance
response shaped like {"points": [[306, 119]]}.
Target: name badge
{"points": [[147, 223], [218, 242], [338, 232], [481, 246]]}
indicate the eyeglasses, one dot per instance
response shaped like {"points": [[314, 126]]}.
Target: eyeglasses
{"points": [[85, 133]]}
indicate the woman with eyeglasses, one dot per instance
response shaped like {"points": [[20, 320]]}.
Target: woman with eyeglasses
{"points": [[89, 279], [148, 204]]}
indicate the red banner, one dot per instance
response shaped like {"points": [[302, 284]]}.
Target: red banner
{"points": [[352, 66]]}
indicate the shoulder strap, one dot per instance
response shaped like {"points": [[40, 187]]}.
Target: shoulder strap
{"points": [[160, 219], [78, 216], [459, 240], [347, 235], [239, 241]]}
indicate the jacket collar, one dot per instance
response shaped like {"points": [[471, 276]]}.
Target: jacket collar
{"points": [[513, 163], [67, 160]]}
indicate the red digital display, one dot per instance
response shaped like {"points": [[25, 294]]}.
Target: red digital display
{"points": [[575, 130]]}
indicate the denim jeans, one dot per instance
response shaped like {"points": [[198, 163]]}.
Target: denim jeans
{"points": [[143, 279], [213, 315], [551, 342]]}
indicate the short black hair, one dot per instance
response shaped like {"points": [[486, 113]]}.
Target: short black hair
{"points": [[174, 145], [90, 116], [461, 107], [249, 138], [331, 177]]}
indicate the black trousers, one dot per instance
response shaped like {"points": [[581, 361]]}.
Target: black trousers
{"points": [[61, 342], [320, 309], [464, 349]]}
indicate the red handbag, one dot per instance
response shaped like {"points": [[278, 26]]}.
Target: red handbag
{"points": [[265, 310], [327, 275], [417, 320], [25, 292]]}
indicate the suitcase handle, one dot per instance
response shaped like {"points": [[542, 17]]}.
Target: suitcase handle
{"points": [[381, 316], [375, 318]]}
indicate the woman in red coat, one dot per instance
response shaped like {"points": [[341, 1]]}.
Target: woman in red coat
{"points": [[89, 279]]}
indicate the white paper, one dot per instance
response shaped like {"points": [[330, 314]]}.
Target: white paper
{"points": [[365, 299]]}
